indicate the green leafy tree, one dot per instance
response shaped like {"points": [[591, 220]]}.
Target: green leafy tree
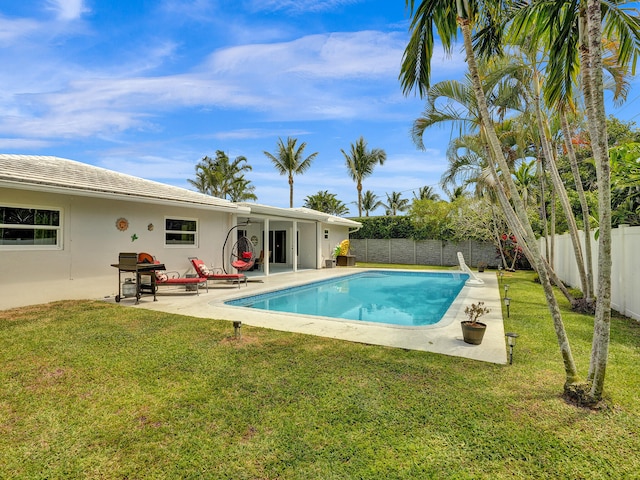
{"points": [[426, 193], [574, 41], [360, 163], [433, 218], [326, 202], [526, 181], [467, 15], [288, 160], [625, 183], [395, 203], [370, 201], [223, 178]]}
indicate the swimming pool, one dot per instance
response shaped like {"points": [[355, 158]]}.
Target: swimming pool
{"points": [[380, 296]]}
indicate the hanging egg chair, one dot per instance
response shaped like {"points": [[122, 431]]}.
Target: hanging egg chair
{"points": [[242, 256]]}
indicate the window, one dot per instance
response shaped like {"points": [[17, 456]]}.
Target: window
{"points": [[180, 231], [30, 228]]}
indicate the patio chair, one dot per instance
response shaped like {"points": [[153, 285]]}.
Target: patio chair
{"points": [[159, 278], [260, 260], [204, 272]]}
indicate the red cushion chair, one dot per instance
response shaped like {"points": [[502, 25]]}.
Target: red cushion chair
{"points": [[203, 272], [163, 278]]}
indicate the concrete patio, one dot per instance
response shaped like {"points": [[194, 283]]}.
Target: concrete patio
{"points": [[444, 338]]}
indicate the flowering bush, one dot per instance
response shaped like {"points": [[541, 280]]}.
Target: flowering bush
{"points": [[513, 253]]}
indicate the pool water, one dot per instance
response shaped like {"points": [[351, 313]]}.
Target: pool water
{"points": [[393, 297]]}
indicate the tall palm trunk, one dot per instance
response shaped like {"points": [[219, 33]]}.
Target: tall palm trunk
{"points": [[529, 238], [543, 207], [553, 223], [584, 206], [519, 231], [290, 190], [557, 181], [596, 119]]}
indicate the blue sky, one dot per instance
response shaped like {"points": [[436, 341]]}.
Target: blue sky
{"points": [[150, 87]]}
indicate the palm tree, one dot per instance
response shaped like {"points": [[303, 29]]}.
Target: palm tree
{"points": [[576, 33], [526, 180], [457, 194], [370, 202], [524, 68], [360, 164], [426, 193], [241, 190], [395, 203], [446, 17], [288, 161], [223, 178], [326, 202]]}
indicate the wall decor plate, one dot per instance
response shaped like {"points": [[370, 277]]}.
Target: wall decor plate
{"points": [[122, 224]]}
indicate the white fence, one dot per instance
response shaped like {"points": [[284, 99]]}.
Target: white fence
{"points": [[625, 267]]}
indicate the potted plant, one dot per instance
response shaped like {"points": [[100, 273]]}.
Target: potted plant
{"points": [[472, 329], [482, 266]]}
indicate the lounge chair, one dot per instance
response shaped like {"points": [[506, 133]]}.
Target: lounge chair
{"points": [[174, 278], [165, 278], [204, 272]]}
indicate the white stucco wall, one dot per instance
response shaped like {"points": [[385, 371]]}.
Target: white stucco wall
{"points": [[337, 234], [91, 242]]}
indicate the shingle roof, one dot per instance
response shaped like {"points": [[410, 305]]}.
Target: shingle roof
{"points": [[54, 173]]}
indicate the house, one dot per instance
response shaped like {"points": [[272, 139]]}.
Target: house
{"points": [[63, 223]]}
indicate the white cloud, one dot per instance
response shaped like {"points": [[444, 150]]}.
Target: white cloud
{"points": [[67, 10], [336, 55], [332, 76], [13, 29], [298, 6], [21, 144]]}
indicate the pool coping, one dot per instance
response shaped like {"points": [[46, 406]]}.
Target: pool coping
{"points": [[443, 338]]}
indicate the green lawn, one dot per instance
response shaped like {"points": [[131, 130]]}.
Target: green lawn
{"points": [[97, 390]]}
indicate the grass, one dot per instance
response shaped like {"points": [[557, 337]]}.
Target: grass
{"points": [[96, 390]]}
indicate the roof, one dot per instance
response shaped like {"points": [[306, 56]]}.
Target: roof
{"points": [[48, 173], [299, 213], [60, 175]]}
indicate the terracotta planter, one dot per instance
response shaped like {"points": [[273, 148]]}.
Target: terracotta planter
{"points": [[473, 333]]}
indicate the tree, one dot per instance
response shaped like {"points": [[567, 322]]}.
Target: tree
{"points": [[241, 190], [223, 178], [395, 203], [576, 32], [360, 164], [289, 160], [326, 202], [625, 183], [370, 202], [526, 181], [433, 217], [426, 193], [446, 18]]}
